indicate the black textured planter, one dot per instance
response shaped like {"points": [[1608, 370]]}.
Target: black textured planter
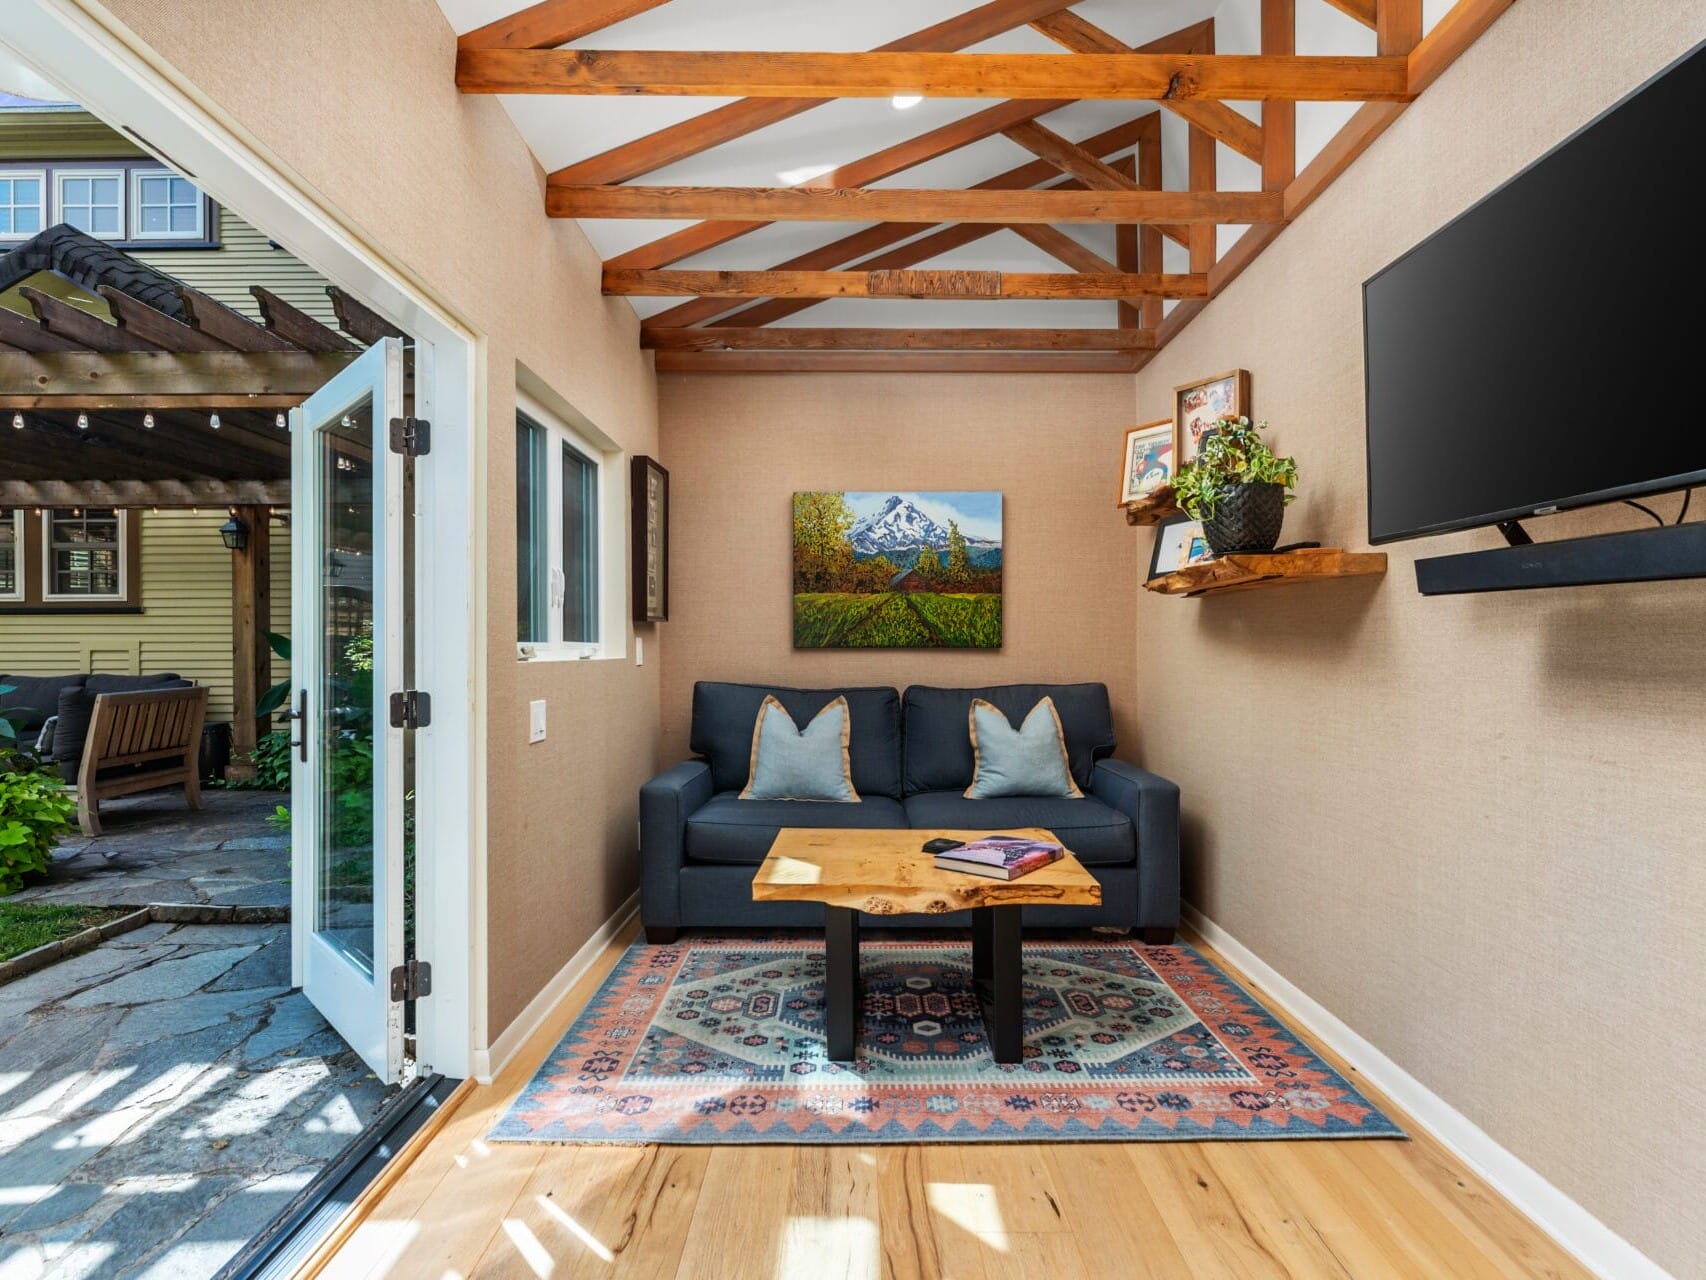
{"points": [[1247, 518]]}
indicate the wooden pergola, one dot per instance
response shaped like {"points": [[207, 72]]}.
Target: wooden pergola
{"points": [[119, 410], [728, 321]]}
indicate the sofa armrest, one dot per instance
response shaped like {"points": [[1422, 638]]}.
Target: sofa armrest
{"points": [[666, 802], [1152, 804]]}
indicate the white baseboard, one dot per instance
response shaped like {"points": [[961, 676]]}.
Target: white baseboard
{"points": [[487, 1062], [1594, 1244]]}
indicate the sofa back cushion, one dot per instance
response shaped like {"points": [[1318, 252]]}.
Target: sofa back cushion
{"points": [[938, 752], [99, 684], [724, 716], [34, 698], [77, 708]]}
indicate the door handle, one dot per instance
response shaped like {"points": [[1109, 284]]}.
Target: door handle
{"points": [[300, 716]]}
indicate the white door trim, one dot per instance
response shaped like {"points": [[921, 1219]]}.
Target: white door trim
{"points": [[108, 69]]}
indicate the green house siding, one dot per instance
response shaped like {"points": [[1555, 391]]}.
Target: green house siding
{"points": [[185, 623], [244, 257]]}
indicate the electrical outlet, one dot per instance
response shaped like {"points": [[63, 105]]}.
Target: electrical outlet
{"points": [[536, 720]]}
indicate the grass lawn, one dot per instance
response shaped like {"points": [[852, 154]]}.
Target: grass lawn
{"points": [[27, 925]]}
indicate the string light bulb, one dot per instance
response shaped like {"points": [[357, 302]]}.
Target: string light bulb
{"points": [[148, 421], [213, 421], [17, 422], [82, 422], [278, 421]]}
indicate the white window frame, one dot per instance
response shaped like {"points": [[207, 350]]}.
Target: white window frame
{"points": [[137, 175], [608, 563], [16, 519], [40, 176], [59, 178], [49, 596]]}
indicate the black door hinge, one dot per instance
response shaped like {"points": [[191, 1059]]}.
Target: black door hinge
{"points": [[411, 709], [411, 437], [411, 981]]}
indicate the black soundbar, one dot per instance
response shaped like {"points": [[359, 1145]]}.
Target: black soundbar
{"points": [[1642, 555]]}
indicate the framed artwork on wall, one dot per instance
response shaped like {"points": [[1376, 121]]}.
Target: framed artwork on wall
{"points": [[1147, 463], [881, 569], [650, 499], [1179, 542], [1197, 405]]}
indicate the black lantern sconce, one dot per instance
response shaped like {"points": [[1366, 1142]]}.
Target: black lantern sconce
{"points": [[234, 534]]}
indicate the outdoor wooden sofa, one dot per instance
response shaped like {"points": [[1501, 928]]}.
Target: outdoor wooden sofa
{"points": [[140, 741]]}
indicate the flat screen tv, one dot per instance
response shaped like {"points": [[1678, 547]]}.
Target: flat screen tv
{"points": [[1547, 349]]}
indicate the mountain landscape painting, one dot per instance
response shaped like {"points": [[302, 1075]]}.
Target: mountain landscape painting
{"points": [[884, 570]]}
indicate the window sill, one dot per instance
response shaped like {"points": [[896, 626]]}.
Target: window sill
{"points": [[539, 655], [53, 607]]}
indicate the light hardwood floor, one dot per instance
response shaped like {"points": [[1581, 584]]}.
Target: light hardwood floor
{"points": [[1308, 1210]]}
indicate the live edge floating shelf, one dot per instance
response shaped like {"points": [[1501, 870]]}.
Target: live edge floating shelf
{"points": [[1247, 572], [1153, 509]]}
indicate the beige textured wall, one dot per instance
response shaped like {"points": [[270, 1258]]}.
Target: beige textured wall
{"points": [[1479, 829], [359, 101], [738, 447]]}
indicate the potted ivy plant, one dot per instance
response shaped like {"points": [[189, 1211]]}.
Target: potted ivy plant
{"points": [[1237, 488]]}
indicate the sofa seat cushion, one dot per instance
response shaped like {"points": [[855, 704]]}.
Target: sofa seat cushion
{"points": [[1099, 835], [728, 829]]}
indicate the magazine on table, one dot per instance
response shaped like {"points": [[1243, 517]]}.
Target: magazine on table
{"points": [[1000, 857]]}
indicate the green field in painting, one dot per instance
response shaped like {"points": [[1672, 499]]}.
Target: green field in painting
{"points": [[899, 620]]}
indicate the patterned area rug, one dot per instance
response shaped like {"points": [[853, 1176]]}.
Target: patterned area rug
{"points": [[721, 1041]]}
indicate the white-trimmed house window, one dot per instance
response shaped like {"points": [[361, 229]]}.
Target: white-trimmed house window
{"points": [[566, 607], [23, 203], [92, 200], [83, 554], [12, 555], [166, 207]]}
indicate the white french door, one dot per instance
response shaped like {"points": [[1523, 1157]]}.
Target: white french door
{"points": [[347, 625]]}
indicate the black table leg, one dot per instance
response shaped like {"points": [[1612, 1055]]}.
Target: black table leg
{"points": [[841, 982], [997, 967]]}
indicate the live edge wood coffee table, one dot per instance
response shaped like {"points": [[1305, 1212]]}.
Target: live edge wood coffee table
{"points": [[886, 873]]}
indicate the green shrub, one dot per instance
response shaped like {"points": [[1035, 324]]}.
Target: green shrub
{"points": [[34, 809]]}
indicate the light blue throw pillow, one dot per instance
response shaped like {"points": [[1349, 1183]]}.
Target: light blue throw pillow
{"points": [[1027, 761], [801, 764]]}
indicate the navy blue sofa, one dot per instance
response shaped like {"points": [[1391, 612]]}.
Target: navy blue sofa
{"points": [[912, 761]]}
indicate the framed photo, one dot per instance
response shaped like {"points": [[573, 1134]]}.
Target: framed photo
{"points": [[1179, 542], [1147, 463], [650, 497], [1197, 405]]}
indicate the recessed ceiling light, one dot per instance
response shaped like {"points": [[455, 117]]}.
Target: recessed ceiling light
{"points": [[906, 101]]}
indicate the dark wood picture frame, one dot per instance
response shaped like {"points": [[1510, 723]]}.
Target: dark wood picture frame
{"points": [[1240, 379], [646, 607]]}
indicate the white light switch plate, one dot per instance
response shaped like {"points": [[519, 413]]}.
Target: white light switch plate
{"points": [[536, 720], [639, 651]]}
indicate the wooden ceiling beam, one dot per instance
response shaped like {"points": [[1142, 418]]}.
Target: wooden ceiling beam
{"points": [[894, 204], [1397, 26], [155, 327], [1362, 10], [794, 77], [963, 285], [1063, 248], [20, 333], [87, 331], [228, 327], [359, 320], [895, 362], [737, 119], [553, 22], [1068, 157], [778, 338], [858, 173], [870, 240], [1216, 118], [144, 493], [164, 380]]}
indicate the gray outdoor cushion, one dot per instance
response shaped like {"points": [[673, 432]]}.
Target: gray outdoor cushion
{"points": [[1027, 761], [1098, 834], [724, 714], [794, 763], [731, 830], [938, 754], [34, 698]]}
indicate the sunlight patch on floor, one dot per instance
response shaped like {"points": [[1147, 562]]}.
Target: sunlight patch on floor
{"points": [[562, 1218], [809, 1245], [535, 1255], [971, 1206]]}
